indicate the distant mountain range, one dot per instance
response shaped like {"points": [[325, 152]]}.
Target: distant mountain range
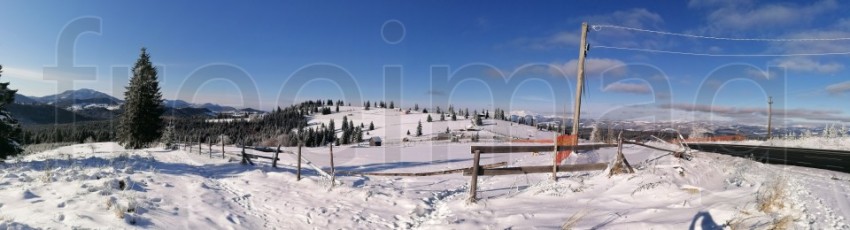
{"points": [[71, 97], [89, 104]]}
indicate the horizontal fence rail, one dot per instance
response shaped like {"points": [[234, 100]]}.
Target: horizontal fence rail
{"points": [[538, 169], [535, 148]]}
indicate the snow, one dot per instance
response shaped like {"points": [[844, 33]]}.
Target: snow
{"points": [[78, 107], [79, 186]]}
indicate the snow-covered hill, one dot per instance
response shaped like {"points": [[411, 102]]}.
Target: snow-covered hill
{"points": [[68, 96], [80, 186]]}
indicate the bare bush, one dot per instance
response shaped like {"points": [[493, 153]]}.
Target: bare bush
{"points": [[269, 142], [37, 148], [224, 140], [771, 196]]}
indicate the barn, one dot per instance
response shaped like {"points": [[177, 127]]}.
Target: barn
{"points": [[375, 141]]}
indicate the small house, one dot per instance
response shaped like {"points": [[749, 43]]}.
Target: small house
{"points": [[375, 141], [442, 137]]}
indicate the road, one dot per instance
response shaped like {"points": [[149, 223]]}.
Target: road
{"points": [[836, 160]]}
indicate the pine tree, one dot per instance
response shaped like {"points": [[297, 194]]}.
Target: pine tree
{"points": [[392, 105], [9, 128], [358, 135], [454, 117], [167, 138], [429, 118], [442, 117], [419, 129], [371, 126], [330, 134], [346, 134], [141, 123]]}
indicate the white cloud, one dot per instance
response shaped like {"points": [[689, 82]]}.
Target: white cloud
{"points": [[592, 66], [637, 17], [709, 3], [23, 73], [818, 46], [659, 77], [740, 18], [537, 69], [839, 88], [748, 112], [557, 40], [623, 87], [758, 74], [805, 64], [715, 49]]}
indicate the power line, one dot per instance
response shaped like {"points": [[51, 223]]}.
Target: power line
{"points": [[599, 27], [720, 55]]}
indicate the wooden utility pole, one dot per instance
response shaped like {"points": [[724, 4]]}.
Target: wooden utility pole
{"points": [[582, 53], [769, 115]]}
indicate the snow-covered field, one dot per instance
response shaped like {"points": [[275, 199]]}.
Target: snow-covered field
{"points": [[103, 186]]}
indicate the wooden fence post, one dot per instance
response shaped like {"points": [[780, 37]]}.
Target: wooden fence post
{"points": [[200, 147], [274, 160], [298, 175], [222, 148], [333, 170], [625, 161], [555, 160], [210, 148], [244, 158], [473, 184], [620, 162]]}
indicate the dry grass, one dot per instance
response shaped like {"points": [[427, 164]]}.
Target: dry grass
{"points": [[110, 201], [771, 198], [735, 223], [649, 186], [573, 220], [691, 191], [782, 223], [118, 211]]}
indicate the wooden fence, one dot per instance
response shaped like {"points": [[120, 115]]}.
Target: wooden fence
{"points": [[477, 170]]}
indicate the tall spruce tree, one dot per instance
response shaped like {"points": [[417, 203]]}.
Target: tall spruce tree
{"points": [[10, 131], [141, 122], [419, 129]]}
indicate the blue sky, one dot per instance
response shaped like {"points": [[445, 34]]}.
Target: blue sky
{"points": [[224, 51]]}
